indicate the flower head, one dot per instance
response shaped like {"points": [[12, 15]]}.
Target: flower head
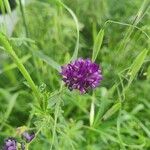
{"points": [[81, 74], [28, 136], [10, 144]]}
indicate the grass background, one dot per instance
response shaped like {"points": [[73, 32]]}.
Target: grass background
{"points": [[45, 36]]}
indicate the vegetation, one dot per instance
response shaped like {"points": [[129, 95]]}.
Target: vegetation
{"points": [[51, 33]]}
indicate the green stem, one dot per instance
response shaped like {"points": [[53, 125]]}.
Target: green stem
{"points": [[23, 18], [5, 43], [56, 117]]}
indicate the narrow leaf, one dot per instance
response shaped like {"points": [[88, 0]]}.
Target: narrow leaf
{"points": [[92, 113], [75, 53], [111, 111], [11, 105], [135, 67], [13, 65], [6, 2], [4, 42], [97, 44], [48, 60]]}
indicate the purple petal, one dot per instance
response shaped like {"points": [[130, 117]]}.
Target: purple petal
{"points": [[82, 75]]}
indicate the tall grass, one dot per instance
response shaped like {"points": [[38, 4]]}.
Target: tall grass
{"points": [[49, 34]]}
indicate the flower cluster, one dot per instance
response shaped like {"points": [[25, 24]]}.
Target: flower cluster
{"points": [[28, 137], [12, 144], [82, 75]]}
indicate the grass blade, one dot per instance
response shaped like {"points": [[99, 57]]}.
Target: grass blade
{"points": [[75, 54], [13, 65], [92, 113], [48, 60], [9, 49], [111, 111], [6, 2], [135, 67], [97, 44], [11, 105]]}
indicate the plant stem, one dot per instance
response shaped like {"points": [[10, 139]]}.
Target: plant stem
{"points": [[5, 43], [23, 18], [56, 117]]}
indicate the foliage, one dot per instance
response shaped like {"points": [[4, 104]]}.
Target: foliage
{"points": [[115, 34]]}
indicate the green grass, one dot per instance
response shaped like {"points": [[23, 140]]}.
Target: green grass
{"points": [[50, 33]]}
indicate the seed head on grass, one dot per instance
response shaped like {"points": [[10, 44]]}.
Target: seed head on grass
{"points": [[81, 74]]}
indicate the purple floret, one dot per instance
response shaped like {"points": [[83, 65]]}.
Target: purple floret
{"points": [[10, 144], [81, 74], [28, 136]]}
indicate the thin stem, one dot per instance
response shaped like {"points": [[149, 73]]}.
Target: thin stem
{"points": [[55, 122], [56, 117], [75, 53], [23, 18], [126, 24]]}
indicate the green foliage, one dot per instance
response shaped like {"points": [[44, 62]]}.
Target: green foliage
{"points": [[50, 33], [97, 44], [48, 60], [137, 65]]}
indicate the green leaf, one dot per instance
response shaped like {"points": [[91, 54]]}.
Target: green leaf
{"points": [[13, 65], [97, 44], [111, 111], [104, 105], [6, 2], [148, 73], [48, 60], [11, 104], [4, 42], [92, 113], [75, 53], [135, 67]]}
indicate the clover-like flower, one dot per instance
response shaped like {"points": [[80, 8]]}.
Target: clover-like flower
{"points": [[81, 74], [10, 144], [28, 136]]}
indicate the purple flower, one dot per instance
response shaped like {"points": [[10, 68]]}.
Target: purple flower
{"points": [[10, 144], [81, 74], [28, 136]]}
